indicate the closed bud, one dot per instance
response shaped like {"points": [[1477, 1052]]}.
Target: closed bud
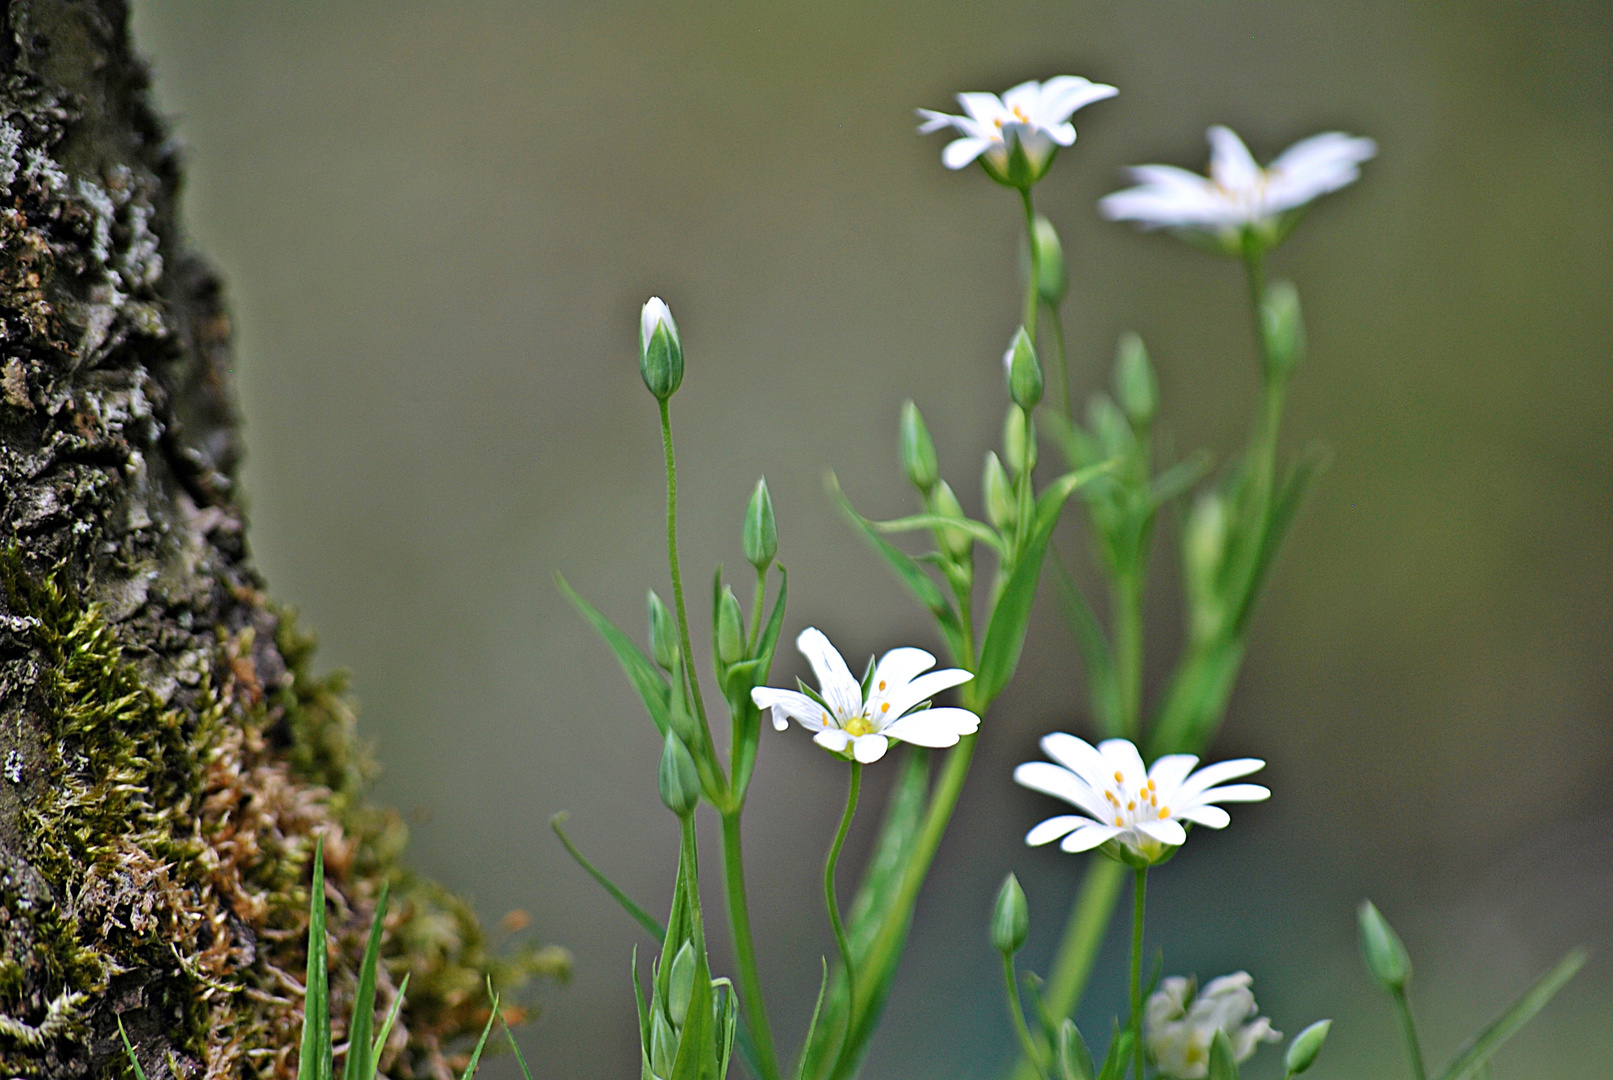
{"points": [[1075, 1060], [1135, 384], [1024, 371], [760, 537], [1284, 329], [663, 633], [918, 450], [680, 717], [1223, 1062], [1052, 279], [663, 1045], [1010, 919], [680, 783], [1381, 948], [730, 628], [1000, 506], [955, 542], [1019, 441], [1306, 1045], [680, 984], [660, 352]]}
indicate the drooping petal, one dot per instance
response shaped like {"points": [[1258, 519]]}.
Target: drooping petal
{"points": [[903, 696], [1211, 817], [833, 740], [835, 681], [1166, 831], [1195, 786], [1231, 164], [1079, 756], [960, 152], [1063, 134], [1064, 94], [1053, 828], [1236, 793], [1063, 784], [869, 748], [1088, 836], [934, 727], [789, 703]]}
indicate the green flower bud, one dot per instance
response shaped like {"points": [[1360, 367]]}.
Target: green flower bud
{"points": [[1223, 1062], [1024, 371], [680, 783], [663, 633], [1381, 948], [1284, 329], [1111, 427], [1135, 385], [680, 984], [1306, 1045], [1204, 543], [680, 716], [1001, 508], [660, 352], [955, 542], [1019, 441], [918, 450], [663, 1045], [1052, 278], [730, 628], [1010, 919], [760, 535], [1075, 1060]]}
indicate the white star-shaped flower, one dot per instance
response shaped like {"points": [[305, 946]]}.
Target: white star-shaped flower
{"points": [[1238, 192], [1181, 1022], [845, 724], [1033, 117], [1140, 808]]}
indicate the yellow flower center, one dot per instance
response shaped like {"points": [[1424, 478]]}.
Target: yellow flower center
{"points": [[858, 725]]}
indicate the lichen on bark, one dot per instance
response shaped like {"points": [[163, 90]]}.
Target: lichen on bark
{"points": [[167, 756]]}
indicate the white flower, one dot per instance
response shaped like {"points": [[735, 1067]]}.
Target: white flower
{"points": [[1238, 192], [1181, 1024], [655, 313], [1033, 116], [1142, 809], [847, 725]]}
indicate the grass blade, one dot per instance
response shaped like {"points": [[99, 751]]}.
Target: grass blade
{"points": [[978, 530], [360, 1064], [140, 1074], [386, 1027], [520, 1060], [1477, 1052], [812, 1025], [650, 924], [315, 1061], [476, 1054]]}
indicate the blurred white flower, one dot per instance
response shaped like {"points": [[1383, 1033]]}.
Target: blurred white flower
{"points": [[1033, 118], [1238, 192], [846, 725], [1141, 808], [1180, 1024]]}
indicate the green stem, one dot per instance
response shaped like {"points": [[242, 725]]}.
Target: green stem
{"points": [[1017, 1011], [1139, 899], [832, 902], [1031, 279], [757, 610], [1414, 1050], [1127, 591], [677, 572], [1060, 363], [750, 979]]}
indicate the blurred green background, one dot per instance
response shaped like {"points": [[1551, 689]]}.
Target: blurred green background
{"points": [[438, 221]]}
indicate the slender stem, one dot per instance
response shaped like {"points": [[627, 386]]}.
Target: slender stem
{"points": [[750, 979], [677, 572], [832, 902], [1414, 1050], [1139, 899], [757, 609], [1061, 364], [1032, 277], [1127, 591], [1017, 1011]]}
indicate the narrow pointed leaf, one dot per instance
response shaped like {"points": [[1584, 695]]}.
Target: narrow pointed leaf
{"points": [[1223, 1065], [476, 1054], [637, 914], [1103, 690], [1477, 1052], [1114, 1063], [1284, 507], [520, 1059], [979, 530], [360, 1064], [640, 670], [140, 1074], [315, 1061], [386, 1027], [812, 1025]]}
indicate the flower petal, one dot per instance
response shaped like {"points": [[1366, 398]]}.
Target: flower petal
{"points": [[1315, 166], [1064, 94], [1121, 756], [1168, 772], [1194, 786], [961, 152], [1231, 164], [835, 681], [1168, 831], [984, 109], [1053, 828], [935, 121], [1088, 837], [1211, 817], [833, 740], [1063, 784], [934, 727], [789, 703], [869, 748], [1079, 756], [903, 696], [1236, 793]]}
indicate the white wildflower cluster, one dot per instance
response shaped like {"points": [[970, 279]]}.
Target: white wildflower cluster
{"points": [[1180, 1023]]}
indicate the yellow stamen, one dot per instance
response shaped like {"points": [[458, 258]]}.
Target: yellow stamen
{"points": [[1132, 805], [882, 684], [1164, 812], [1119, 778], [885, 707], [1120, 823]]}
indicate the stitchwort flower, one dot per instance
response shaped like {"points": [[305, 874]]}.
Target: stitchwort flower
{"points": [[856, 728], [1014, 137], [1140, 809], [1238, 193], [1181, 1022]]}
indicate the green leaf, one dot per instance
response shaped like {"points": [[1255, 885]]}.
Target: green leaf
{"points": [[977, 529], [360, 1063], [911, 574], [1074, 1059], [1477, 1052], [1223, 1064], [140, 1074], [386, 1027], [1283, 508], [520, 1059], [1005, 633], [1176, 480], [476, 1054], [1103, 689], [639, 669], [812, 1025], [315, 1062], [637, 914], [1115, 1061]]}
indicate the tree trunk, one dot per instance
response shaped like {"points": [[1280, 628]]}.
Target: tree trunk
{"points": [[166, 757]]}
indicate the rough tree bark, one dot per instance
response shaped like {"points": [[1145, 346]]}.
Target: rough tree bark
{"points": [[166, 757]]}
